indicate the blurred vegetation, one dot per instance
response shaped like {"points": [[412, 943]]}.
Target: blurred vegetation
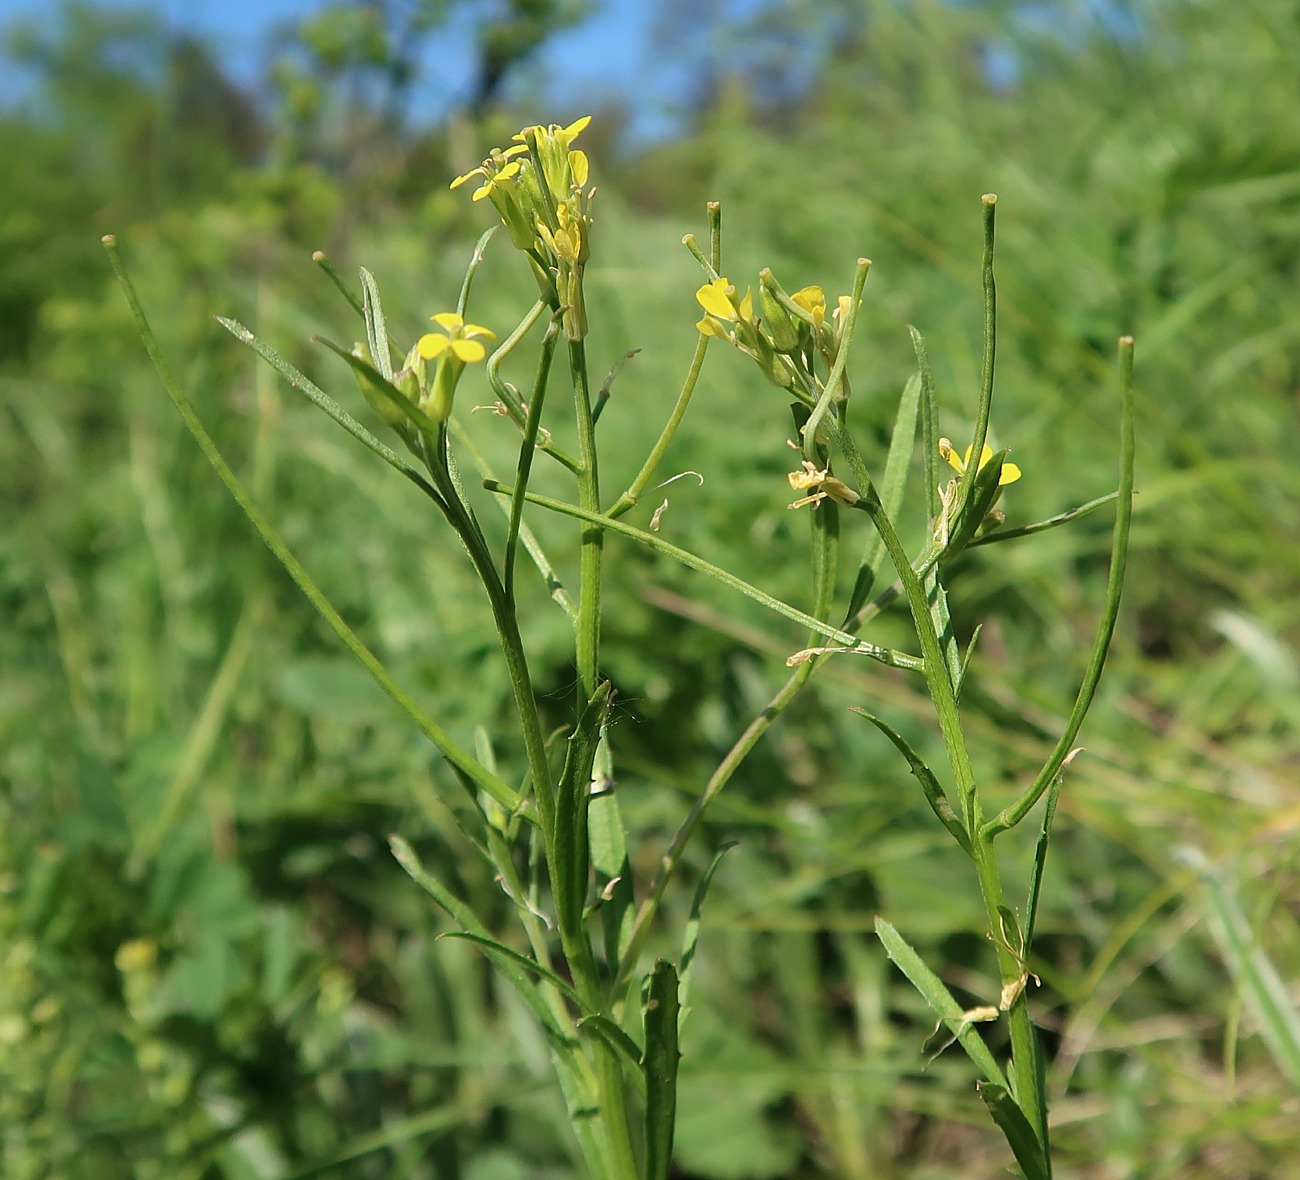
{"points": [[209, 964]]}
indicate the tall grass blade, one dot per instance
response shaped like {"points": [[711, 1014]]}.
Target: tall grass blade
{"points": [[447, 746]]}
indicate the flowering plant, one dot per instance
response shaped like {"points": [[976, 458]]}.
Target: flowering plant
{"points": [[554, 835]]}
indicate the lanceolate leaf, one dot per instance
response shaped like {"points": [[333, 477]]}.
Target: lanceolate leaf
{"points": [[941, 1000], [1016, 1130], [934, 793], [661, 1059]]}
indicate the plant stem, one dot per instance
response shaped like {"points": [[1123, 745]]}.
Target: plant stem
{"points": [[593, 536]]}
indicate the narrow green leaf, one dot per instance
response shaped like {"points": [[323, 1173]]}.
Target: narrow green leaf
{"points": [[376, 324], [661, 1061], [570, 849], [1016, 1130], [607, 838], [691, 935], [450, 749], [940, 1000], [937, 599], [934, 792], [500, 950], [1012, 815], [622, 1044], [929, 414], [892, 488], [1040, 860], [515, 967], [1266, 994], [1042, 526], [966, 659], [324, 402], [426, 425]]}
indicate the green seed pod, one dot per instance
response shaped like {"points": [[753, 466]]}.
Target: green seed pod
{"points": [[781, 328]]}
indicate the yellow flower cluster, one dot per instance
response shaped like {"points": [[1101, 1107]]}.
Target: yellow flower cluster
{"points": [[538, 186]]}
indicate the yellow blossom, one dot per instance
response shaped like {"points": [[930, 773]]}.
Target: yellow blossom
{"points": [[813, 301], [1010, 472], [493, 169], [460, 338], [456, 347], [719, 298]]}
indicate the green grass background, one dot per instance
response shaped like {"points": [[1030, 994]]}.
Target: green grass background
{"points": [[211, 967]]}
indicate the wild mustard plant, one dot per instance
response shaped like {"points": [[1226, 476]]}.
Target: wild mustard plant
{"points": [[554, 837]]}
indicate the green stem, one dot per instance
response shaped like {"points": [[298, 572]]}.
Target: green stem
{"points": [[507, 627], [593, 536], [636, 489], [1010, 816], [943, 696], [527, 448], [967, 481], [722, 775], [577, 948], [852, 645]]}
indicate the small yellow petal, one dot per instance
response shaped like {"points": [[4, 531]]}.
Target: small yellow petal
{"points": [[708, 326], [949, 456], [1010, 473], [468, 351], [713, 298], [432, 345], [472, 330], [747, 305], [570, 133], [985, 455], [810, 299], [479, 171], [449, 321], [579, 166]]}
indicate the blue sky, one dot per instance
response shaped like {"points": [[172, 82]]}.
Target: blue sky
{"points": [[608, 52]]}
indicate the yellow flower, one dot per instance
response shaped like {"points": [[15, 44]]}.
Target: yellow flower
{"points": [[1010, 472], [562, 136], [813, 301], [493, 169], [719, 298], [460, 338], [457, 347]]}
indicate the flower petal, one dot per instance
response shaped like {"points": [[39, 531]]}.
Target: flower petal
{"points": [[570, 133], [579, 166], [713, 298], [448, 321], [985, 455], [747, 306], [949, 456], [1010, 473], [468, 351], [479, 171], [472, 330], [431, 345]]}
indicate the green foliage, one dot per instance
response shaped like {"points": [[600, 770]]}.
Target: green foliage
{"points": [[212, 966]]}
